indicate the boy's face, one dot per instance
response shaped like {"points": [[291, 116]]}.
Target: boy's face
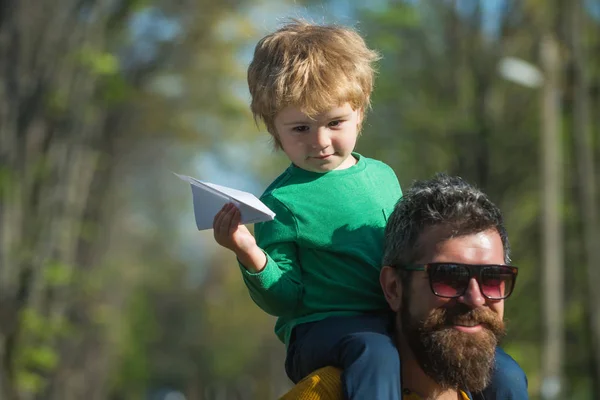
{"points": [[322, 144]]}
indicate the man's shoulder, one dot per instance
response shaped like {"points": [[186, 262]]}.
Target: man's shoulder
{"points": [[467, 396], [323, 384], [326, 384]]}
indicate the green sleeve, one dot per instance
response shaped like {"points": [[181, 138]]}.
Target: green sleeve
{"points": [[277, 289]]}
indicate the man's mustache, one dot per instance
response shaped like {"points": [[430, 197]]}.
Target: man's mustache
{"points": [[461, 314]]}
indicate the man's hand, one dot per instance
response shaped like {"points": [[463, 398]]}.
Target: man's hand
{"points": [[237, 238]]}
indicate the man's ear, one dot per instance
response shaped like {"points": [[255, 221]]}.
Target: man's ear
{"points": [[391, 286]]}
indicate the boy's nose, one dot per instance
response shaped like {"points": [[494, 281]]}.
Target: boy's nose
{"points": [[322, 139]]}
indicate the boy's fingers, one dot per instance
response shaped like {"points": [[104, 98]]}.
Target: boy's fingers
{"points": [[217, 220], [235, 220], [220, 220]]}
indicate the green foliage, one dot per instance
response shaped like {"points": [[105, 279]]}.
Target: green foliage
{"points": [[7, 181], [398, 14], [57, 274], [40, 357], [41, 327], [98, 62], [134, 373], [57, 102], [30, 382], [116, 90]]}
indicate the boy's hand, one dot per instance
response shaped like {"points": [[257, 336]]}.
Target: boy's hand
{"points": [[237, 238], [228, 231]]}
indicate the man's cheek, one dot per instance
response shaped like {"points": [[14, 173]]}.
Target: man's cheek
{"points": [[498, 308], [431, 308]]}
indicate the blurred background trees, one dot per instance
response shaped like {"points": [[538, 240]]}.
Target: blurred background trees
{"points": [[107, 291]]}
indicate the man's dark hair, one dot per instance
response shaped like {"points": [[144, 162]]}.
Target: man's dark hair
{"points": [[446, 202]]}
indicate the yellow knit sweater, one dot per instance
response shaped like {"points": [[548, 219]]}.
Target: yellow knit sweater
{"points": [[326, 384], [323, 384]]}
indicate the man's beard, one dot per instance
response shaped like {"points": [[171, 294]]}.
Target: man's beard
{"points": [[454, 359]]}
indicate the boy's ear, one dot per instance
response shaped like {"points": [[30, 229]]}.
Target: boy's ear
{"points": [[360, 117], [391, 286]]}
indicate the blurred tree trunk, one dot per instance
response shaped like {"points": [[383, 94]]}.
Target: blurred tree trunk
{"points": [[552, 227], [470, 84], [584, 154], [51, 59], [58, 151]]}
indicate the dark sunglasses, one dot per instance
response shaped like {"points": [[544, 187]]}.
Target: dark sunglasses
{"points": [[451, 280]]}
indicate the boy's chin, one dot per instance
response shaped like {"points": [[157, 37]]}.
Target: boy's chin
{"points": [[331, 163], [319, 170], [321, 167]]}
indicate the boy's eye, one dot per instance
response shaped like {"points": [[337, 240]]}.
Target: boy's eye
{"points": [[300, 128], [335, 123]]}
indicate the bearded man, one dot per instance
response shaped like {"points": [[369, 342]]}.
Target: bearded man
{"points": [[446, 275]]}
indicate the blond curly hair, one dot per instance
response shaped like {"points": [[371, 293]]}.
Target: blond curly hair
{"points": [[314, 67]]}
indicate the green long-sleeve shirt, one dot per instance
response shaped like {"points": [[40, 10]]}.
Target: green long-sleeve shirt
{"points": [[325, 245]]}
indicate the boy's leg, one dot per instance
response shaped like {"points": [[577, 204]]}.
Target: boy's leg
{"points": [[361, 346], [372, 366], [508, 380]]}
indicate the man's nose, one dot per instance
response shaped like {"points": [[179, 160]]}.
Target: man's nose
{"points": [[322, 138], [473, 296]]}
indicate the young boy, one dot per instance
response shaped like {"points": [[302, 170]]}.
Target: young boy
{"points": [[316, 266]]}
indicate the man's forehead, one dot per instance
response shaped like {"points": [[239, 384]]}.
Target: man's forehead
{"points": [[442, 244]]}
